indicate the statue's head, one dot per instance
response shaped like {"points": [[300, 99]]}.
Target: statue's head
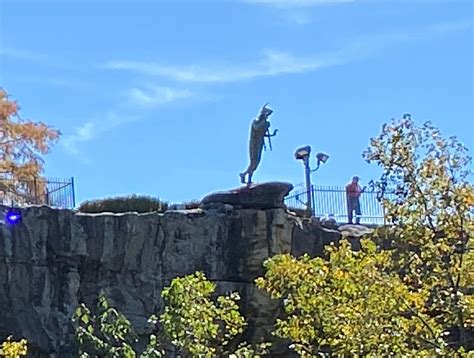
{"points": [[265, 112]]}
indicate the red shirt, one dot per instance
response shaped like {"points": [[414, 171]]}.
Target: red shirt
{"points": [[353, 190]]}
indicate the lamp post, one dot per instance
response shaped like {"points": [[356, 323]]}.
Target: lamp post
{"points": [[303, 154]]}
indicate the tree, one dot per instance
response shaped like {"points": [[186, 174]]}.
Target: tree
{"points": [[349, 304], [431, 219], [109, 334], [22, 142], [12, 349], [191, 321], [200, 326], [410, 289]]}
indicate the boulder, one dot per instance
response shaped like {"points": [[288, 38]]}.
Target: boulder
{"points": [[355, 231], [256, 196]]}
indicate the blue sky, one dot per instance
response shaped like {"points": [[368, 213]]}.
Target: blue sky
{"points": [[156, 97]]}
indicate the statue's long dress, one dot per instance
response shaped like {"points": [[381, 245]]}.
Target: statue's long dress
{"points": [[257, 140]]}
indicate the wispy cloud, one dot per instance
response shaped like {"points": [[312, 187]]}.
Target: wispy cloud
{"points": [[156, 95], [274, 63], [93, 128], [271, 63], [98, 125]]}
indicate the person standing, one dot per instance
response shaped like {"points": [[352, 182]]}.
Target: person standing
{"points": [[353, 192]]}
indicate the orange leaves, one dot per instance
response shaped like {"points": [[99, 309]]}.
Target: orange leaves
{"points": [[38, 135], [7, 108], [22, 142]]}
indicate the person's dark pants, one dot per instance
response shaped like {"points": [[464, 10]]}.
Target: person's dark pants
{"points": [[353, 204]]}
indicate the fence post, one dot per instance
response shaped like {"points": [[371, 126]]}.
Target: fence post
{"points": [[73, 193]]}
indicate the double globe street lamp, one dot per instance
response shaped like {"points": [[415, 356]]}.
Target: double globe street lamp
{"points": [[303, 154]]}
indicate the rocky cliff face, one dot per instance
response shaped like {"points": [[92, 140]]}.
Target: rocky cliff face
{"points": [[55, 259]]}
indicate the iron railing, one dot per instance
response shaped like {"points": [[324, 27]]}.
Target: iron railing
{"points": [[331, 201], [53, 192]]}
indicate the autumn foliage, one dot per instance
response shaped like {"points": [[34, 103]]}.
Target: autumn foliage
{"points": [[409, 291], [13, 349], [22, 144]]}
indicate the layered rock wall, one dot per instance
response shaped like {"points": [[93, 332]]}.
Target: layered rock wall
{"points": [[55, 259]]}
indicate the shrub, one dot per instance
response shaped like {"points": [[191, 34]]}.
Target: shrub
{"points": [[197, 324], [188, 205], [133, 203], [12, 349]]}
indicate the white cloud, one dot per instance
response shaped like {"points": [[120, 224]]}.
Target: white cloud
{"points": [[271, 63], [93, 128], [86, 131], [100, 124], [274, 63], [81, 134], [156, 95]]}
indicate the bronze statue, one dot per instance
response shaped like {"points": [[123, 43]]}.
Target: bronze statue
{"points": [[259, 131]]}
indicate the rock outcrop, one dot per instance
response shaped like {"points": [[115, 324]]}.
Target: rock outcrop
{"points": [[256, 196], [55, 259]]}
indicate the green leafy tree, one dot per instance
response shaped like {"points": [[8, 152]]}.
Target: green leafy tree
{"points": [[192, 321], [431, 219], [200, 326], [109, 334], [416, 296], [349, 305]]}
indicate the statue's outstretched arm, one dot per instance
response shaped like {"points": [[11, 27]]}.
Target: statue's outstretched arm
{"points": [[271, 135]]}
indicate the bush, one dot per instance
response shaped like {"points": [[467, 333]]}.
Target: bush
{"points": [[197, 324], [134, 203], [187, 205]]}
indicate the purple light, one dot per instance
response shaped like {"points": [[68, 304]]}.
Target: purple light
{"points": [[13, 217]]}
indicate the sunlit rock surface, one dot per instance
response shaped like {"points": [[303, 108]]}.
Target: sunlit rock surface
{"points": [[55, 259]]}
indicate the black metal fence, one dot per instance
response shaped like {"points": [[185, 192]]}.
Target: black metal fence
{"points": [[330, 201], [53, 192]]}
